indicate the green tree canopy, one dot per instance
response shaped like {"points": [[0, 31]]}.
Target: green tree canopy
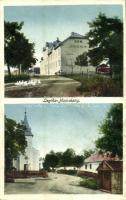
{"points": [[67, 157], [106, 41], [51, 160], [19, 52], [78, 160], [15, 142], [82, 60], [87, 153], [111, 130]]}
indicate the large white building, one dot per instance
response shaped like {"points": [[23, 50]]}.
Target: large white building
{"points": [[59, 57], [30, 160]]}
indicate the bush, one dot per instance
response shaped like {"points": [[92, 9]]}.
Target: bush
{"points": [[89, 183], [15, 78], [69, 172]]}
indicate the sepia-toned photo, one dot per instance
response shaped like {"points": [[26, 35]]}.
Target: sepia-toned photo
{"points": [[64, 50], [63, 149]]}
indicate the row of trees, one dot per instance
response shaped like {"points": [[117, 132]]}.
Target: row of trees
{"points": [[66, 158], [105, 41], [19, 52], [111, 139]]}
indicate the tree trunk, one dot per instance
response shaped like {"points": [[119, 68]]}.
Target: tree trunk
{"points": [[9, 71]]}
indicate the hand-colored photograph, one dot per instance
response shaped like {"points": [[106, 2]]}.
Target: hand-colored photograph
{"points": [[64, 50], [64, 149]]}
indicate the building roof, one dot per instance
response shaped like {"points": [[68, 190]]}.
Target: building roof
{"points": [[55, 44], [97, 157], [28, 128], [110, 165]]}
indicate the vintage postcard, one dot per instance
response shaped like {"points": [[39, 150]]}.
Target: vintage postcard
{"points": [[62, 94]]}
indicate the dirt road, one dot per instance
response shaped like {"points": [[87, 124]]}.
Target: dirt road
{"points": [[57, 183]]}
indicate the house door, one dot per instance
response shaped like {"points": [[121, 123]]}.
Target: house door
{"points": [[25, 167], [106, 180]]}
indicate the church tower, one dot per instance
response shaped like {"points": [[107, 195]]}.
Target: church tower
{"points": [[30, 160]]}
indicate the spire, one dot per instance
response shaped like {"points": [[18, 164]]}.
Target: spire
{"points": [[28, 128]]}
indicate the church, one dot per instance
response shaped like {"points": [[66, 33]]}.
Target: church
{"points": [[30, 160]]}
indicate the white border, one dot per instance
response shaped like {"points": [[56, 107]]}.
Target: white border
{"points": [[40, 100]]}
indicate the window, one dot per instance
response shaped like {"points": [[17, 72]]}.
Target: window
{"points": [[90, 166], [85, 166]]}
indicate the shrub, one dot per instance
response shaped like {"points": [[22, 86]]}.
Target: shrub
{"points": [[89, 183], [69, 172], [15, 78]]}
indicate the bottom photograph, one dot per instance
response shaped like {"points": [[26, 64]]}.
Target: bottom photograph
{"points": [[64, 149]]}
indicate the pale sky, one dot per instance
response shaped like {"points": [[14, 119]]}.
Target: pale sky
{"points": [[46, 23], [58, 127]]}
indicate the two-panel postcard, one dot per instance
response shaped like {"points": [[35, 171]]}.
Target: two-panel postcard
{"points": [[62, 100]]}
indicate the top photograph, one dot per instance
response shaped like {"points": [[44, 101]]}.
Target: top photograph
{"points": [[63, 51]]}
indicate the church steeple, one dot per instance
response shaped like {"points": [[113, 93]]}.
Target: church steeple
{"points": [[28, 128]]}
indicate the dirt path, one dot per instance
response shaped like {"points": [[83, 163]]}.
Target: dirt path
{"points": [[58, 183]]}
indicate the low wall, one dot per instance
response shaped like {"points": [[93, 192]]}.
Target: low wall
{"points": [[87, 174]]}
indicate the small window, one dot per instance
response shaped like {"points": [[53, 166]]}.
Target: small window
{"points": [[90, 166], [85, 166], [80, 41]]}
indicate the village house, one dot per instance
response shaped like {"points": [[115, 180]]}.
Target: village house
{"points": [[29, 161], [59, 57], [92, 162]]}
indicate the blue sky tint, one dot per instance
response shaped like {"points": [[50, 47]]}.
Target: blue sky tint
{"points": [[46, 23], [58, 127]]}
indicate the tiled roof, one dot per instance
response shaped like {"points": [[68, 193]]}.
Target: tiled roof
{"points": [[96, 157]]}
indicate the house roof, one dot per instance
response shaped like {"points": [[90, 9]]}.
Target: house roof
{"points": [[97, 157], [110, 165]]}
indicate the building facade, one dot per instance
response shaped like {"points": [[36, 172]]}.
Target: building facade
{"points": [[59, 57], [30, 160]]}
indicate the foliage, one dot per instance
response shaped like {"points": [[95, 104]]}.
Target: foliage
{"points": [[51, 160], [87, 153], [78, 160], [67, 157], [111, 130], [19, 52], [106, 41], [69, 171], [96, 85], [15, 78], [15, 142], [89, 183], [82, 60]]}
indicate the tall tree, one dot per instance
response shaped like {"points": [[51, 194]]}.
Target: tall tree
{"points": [[51, 160], [15, 142], [111, 130], [106, 40], [67, 157], [19, 52], [78, 160]]}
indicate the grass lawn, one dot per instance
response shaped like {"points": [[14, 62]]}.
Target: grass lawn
{"points": [[99, 85]]}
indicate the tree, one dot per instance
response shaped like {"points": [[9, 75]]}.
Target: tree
{"points": [[82, 60], [19, 52], [67, 157], [15, 142], [111, 131], [87, 153], [51, 160], [106, 41], [78, 161]]}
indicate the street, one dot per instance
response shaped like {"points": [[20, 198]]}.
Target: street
{"points": [[56, 183]]}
